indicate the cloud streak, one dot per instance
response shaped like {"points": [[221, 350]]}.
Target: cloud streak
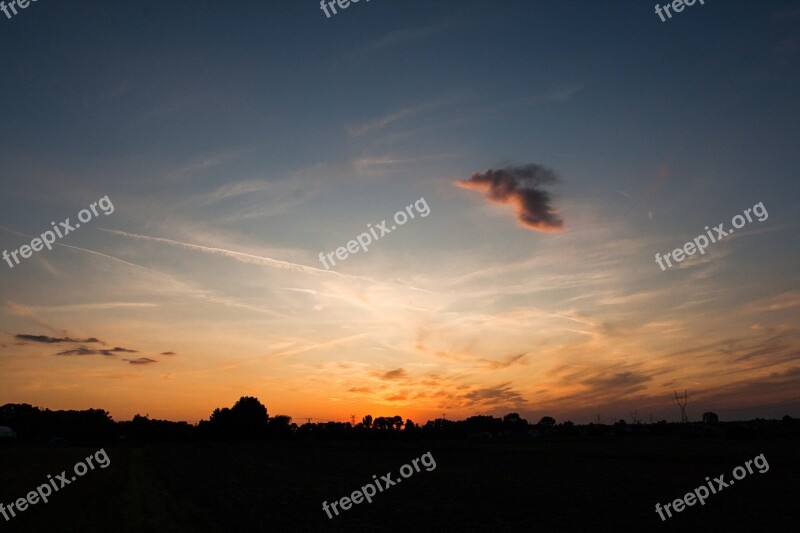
{"points": [[83, 350], [53, 340], [141, 361]]}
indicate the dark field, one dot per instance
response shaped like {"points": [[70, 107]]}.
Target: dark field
{"points": [[587, 485]]}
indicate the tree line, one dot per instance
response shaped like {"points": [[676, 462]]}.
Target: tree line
{"points": [[247, 419]]}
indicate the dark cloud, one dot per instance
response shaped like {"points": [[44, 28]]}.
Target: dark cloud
{"points": [[397, 397], [392, 375], [498, 395], [522, 188], [775, 392], [53, 340], [83, 350], [509, 361], [611, 329], [618, 383], [767, 346], [141, 361], [114, 350]]}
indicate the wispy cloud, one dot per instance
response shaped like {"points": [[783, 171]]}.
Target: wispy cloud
{"points": [[506, 363], [785, 300], [384, 121], [92, 307], [400, 37], [202, 163], [232, 190]]}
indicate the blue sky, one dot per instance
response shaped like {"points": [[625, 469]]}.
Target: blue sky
{"points": [[236, 142]]}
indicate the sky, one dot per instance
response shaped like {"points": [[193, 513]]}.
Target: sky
{"points": [[546, 150]]}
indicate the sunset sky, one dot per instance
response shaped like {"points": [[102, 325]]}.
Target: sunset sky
{"points": [[558, 145]]}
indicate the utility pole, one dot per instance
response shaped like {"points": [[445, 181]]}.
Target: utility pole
{"points": [[682, 405]]}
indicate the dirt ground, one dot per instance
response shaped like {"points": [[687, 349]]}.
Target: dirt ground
{"points": [[597, 484]]}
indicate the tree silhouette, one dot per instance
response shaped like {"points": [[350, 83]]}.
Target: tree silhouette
{"points": [[514, 423], [280, 425], [367, 421], [382, 423], [22, 417], [247, 419], [397, 422], [33, 423], [547, 422]]}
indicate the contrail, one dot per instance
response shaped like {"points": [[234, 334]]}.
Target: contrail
{"points": [[81, 249], [649, 212], [334, 342], [107, 257], [239, 256], [258, 260]]}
